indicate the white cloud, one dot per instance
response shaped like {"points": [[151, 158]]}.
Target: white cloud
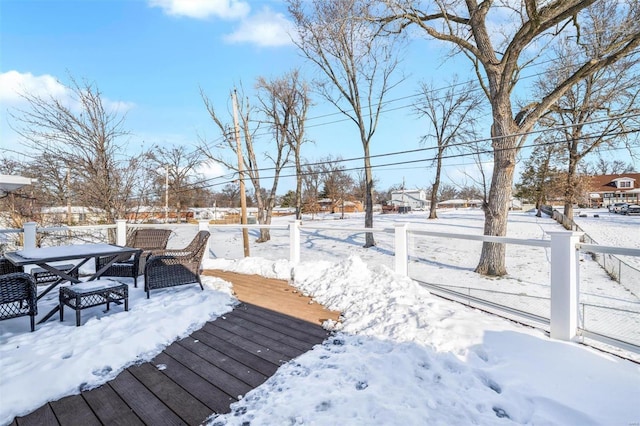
{"points": [[211, 169], [14, 83], [266, 28], [202, 9]]}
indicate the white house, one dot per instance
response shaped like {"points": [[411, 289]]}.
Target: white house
{"points": [[414, 198]]}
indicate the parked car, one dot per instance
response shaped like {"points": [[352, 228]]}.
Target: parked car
{"points": [[616, 207], [630, 209]]}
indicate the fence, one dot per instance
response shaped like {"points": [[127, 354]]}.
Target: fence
{"points": [[619, 270], [562, 312]]}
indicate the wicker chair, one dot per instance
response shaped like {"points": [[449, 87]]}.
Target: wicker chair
{"points": [[149, 240], [7, 267], [18, 297], [168, 268]]}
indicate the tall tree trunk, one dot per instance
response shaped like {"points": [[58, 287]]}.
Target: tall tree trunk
{"points": [[496, 209], [368, 202], [265, 234], [435, 187], [262, 217], [298, 186], [570, 190]]}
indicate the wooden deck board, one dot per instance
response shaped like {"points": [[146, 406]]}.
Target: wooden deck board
{"points": [[254, 369], [288, 330], [143, 402], [73, 410], [208, 394], [254, 336], [205, 372], [266, 353], [221, 360], [110, 408], [231, 385], [189, 409], [275, 295], [43, 416]]}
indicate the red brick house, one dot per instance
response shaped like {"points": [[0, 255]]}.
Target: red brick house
{"points": [[608, 189]]}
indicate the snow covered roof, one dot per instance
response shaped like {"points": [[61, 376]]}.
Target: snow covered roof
{"points": [[459, 201], [74, 210]]}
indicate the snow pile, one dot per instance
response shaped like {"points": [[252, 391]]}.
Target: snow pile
{"points": [[406, 357]]}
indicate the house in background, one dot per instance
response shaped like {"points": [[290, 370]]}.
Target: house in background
{"points": [[75, 215], [460, 204], [415, 199], [604, 190], [327, 205]]}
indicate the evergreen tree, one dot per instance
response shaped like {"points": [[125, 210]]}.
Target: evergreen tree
{"points": [[540, 179]]}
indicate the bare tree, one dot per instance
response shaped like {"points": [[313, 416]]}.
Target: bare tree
{"points": [[360, 186], [357, 67], [230, 195], [604, 167], [88, 138], [176, 168], [218, 152], [285, 102], [447, 192], [337, 184], [311, 180], [498, 55], [599, 110], [451, 115]]}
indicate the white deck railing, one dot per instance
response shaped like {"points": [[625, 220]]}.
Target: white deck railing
{"points": [[564, 247]]}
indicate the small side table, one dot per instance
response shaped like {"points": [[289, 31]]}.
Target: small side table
{"points": [[92, 293]]}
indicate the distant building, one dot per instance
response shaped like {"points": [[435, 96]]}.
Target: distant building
{"points": [[74, 214], [458, 203], [416, 199], [603, 190], [327, 205]]}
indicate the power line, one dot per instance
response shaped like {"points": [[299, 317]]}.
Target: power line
{"points": [[431, 159]]}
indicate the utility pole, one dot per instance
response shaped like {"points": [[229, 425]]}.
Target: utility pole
{"points": [[69, 210], [166, 194], [243, 199]]}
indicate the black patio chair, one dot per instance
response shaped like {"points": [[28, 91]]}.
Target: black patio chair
{"points": [[18, 297], [7, 267], [149, 240], [168, 268]]}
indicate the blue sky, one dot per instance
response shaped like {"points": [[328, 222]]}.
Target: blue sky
{"points": [[151, 58]]}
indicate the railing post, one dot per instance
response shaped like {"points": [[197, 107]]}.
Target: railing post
{"points": [[121, 232], [564, 284], [203, 225], [294, 242], [401, 249], [29, 237]]}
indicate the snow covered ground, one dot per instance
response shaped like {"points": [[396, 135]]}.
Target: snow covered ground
{"points": [[611, 229], [399, 357]]}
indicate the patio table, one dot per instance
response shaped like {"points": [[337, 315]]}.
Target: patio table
{"points": [[45, 256]]}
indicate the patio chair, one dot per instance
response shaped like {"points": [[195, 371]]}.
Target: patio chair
{"points": [[18, 296], [168, 268], [7, 267], [149, 240]]}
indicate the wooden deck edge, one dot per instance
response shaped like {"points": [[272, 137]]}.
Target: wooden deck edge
{"points": [[276, 295]]}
